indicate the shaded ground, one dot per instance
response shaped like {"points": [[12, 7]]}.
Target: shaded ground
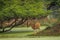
{"points": [[50, 31]]}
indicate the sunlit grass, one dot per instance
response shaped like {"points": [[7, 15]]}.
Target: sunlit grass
{"points": [[17, 32]]}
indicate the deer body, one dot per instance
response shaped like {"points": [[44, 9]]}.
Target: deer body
{"points": [[35, 25]]}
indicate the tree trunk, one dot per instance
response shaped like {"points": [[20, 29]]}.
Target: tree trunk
{"points": [[12, 26]]}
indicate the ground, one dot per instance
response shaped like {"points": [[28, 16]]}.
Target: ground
{"points": [[41, 38], [19, 32]]}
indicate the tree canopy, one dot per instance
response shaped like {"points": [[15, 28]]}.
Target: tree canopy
{"points": [[22, 8]]}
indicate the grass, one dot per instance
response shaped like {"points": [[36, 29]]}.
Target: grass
{"points": [[10, 35], [22, 32], [17, 32]]}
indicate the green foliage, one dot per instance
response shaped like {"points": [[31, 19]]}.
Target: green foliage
{"points": [[23, 8]]}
